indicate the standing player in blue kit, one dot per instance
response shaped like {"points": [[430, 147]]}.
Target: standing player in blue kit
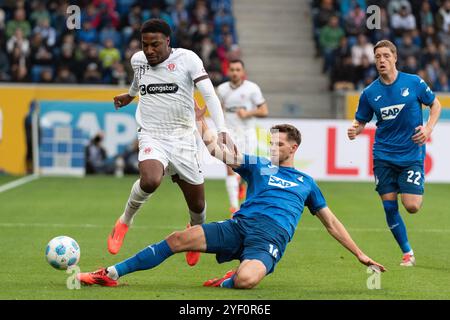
{"points": [[396, 99]]}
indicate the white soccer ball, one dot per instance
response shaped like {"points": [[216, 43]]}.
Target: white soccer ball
{"points": [[62, 252]]}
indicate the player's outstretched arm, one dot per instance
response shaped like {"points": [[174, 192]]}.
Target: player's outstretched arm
{"points": [[224, 151], [338, 231], [356, 128]]}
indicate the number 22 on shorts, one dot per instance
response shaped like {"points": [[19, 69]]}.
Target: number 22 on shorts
{"points": [[414, 177]]}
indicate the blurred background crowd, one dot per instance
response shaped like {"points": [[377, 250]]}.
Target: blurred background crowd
{"points": [[37, 46], [419, 28]]}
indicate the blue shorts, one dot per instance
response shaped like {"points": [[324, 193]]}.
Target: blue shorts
{"points": [[390, 177], [243, 238]]}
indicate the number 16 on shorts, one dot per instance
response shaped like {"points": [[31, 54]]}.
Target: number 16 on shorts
{"points": [[273, 251]]}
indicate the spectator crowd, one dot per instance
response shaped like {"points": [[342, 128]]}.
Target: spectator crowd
{"points": [[419, 28], [36, 45]]}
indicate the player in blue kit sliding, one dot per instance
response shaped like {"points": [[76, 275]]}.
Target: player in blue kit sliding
{"points": [[258, 233], [396, 99]]}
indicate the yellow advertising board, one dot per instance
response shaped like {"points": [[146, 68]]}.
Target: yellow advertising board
{"points": [[352, 99], [15, 101]]}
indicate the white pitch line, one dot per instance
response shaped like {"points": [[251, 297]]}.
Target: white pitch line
{"points": [[18, 182], [81, 226], [378, 230], [171, 227]]}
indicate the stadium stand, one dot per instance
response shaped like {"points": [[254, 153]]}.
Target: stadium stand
{"points": [[275, 38], [420, 29], [36, 46]]}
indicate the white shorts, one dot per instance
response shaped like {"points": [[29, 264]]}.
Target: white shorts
{"points": [[245, 141], [178, 156]]}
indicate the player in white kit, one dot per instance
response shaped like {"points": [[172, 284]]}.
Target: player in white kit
{"points": [[242, 101], [164, 78]]}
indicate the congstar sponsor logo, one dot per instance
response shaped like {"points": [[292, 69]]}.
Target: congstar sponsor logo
{"points": [[391, 112], [157, 88]]}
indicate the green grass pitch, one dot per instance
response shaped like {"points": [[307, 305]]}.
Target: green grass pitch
{"points": [[314, 266]]}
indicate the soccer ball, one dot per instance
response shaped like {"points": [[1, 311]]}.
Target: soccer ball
{"points": [[62, 252]]}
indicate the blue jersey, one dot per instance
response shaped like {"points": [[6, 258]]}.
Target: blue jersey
{"points": [[280, 193], [398, 108]]}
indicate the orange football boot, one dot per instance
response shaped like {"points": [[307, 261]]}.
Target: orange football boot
{"points": [[232, 211], [115, 239], [216, 282], [242, 192], [408, 260], [192, 257], [99, 277]]}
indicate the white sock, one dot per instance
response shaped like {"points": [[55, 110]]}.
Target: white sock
{"points": [[232, 183], [112, 273], [410, 253], [135, 201], [198, 218]]}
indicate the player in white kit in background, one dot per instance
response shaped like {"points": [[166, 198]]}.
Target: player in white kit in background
{"points": [[164, 77], [242, 101]]}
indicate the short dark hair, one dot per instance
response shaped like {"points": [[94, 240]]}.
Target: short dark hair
{"points": [[237, 61], [156, 25], [292, 132]]}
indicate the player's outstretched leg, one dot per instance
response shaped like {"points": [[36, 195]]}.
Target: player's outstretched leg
{"points": [[148, 258], [398, 229]]}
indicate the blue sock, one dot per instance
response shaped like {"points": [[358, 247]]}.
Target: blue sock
{"points": [[148, 258], [229, 283], [396, 224]]}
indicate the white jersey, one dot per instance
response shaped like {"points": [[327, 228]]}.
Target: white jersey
{"points": [[166, 102], [248, 96]]}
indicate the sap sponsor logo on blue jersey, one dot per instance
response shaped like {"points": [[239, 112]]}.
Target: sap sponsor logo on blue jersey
{"points": [[281, 183], [391, 112]]}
